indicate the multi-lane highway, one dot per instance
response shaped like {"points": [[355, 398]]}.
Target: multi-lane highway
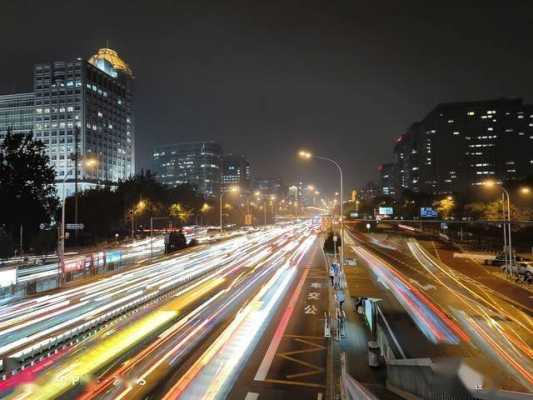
{"points": [[131, 334], [244, 318]]}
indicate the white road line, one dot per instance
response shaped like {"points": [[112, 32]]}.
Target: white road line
{"points": [[252, 396]]}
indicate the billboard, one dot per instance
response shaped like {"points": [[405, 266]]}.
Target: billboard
{"points": [[75, 264], [386, 211], [428, 212]]}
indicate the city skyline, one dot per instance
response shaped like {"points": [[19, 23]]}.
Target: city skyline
{"points": [[259, 200], [233, 76]]}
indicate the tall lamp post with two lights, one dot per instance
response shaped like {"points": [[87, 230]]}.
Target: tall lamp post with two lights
{"points": [[506, 206]]}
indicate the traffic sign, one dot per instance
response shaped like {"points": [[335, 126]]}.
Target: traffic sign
{"points": [[75, 226]]}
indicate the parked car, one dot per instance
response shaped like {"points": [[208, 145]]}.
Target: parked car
{"points": [[497, 261]]}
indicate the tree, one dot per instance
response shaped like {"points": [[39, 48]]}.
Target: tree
{"points": [[28, 195], [105, 212], [491, 211], [445, 207], [180, 212]]}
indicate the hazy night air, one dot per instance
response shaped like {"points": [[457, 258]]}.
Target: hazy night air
{"points": [[266, 200], [264, 78]]}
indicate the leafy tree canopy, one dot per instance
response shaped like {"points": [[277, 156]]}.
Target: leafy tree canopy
{"points": [[28, 194]]}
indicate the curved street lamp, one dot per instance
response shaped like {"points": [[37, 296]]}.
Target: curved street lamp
{"points": [[306, 155]]}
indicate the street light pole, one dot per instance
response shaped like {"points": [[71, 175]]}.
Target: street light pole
{"points": [[504, 225], [341, 209], [132, 224], [221, 204], [510, 250]]}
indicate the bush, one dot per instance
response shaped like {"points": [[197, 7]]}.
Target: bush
{"points": [[44, 242]]}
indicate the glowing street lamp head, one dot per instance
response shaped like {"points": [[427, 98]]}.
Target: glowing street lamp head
{"points": [[311, 187], [273, 197], [489, 183], [141, 205], [257, 193], [233, 189], [91, 162], [525, 190], [304, 155]]}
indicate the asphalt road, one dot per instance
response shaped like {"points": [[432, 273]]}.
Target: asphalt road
{"points": [[177, 280], [290, 360], [494, 336]]}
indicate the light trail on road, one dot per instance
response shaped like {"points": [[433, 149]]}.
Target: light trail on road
{"points": [[499, 338], [213, 374], [430, 319], [221, 259], [138, 375]]}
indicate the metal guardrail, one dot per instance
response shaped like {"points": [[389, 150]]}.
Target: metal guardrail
{"points": [[419, 378], [351, 389]]}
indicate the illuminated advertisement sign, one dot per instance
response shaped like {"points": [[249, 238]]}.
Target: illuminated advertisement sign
{"points": [[112, 256], [98, 259], [428, 212], [386, 211], [74, 265], [8, 277]]}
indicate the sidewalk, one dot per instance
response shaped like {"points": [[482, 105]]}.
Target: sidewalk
{"points": [[357, 334]]}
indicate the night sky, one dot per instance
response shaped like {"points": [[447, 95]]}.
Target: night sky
{"points": [[265, 78]]}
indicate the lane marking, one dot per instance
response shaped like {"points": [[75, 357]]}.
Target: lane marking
{"points": [[296, 383], [263, 369], [251, 396]]}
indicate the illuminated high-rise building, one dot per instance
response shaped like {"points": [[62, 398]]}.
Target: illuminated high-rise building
{"points": [[83, 110], [196, 163], [457, 146], [236, 172], [16, 113]]}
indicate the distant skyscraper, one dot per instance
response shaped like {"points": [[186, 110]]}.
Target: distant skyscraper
{"points": [[270, 186], [369, 191], [236, 171], [197, 163], [16, 113], [88, 103], [459, 145], [386, 174]]}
